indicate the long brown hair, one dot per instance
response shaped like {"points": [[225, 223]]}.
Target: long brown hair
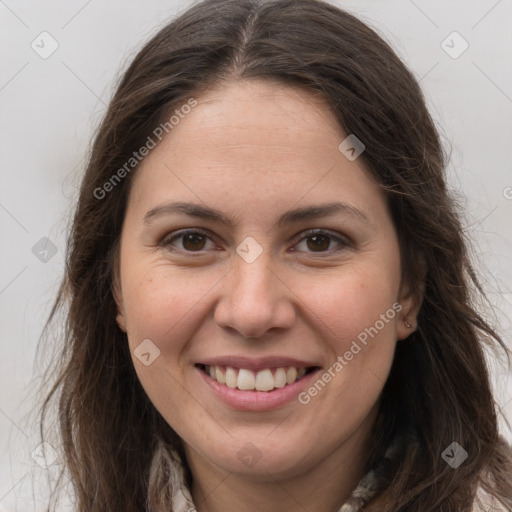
{"points": [[438, 390]]}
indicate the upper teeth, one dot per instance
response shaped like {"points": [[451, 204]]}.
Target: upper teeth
{"points": [[264, 380]]}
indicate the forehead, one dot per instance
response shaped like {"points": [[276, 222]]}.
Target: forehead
{"points": [[253, 114], [253, 140]]}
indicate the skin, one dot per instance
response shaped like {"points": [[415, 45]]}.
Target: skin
{"points": [[254, 150]]}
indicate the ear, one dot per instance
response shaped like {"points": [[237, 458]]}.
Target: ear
{"points": [[411, 301], [118, 293]]}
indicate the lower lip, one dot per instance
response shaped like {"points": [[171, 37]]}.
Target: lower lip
{"points": [[257, 400]]}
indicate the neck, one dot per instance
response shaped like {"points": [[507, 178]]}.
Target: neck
{"points": [[323, 487]]}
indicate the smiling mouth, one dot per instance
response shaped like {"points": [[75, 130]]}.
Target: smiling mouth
{"points": [[267, 379]]}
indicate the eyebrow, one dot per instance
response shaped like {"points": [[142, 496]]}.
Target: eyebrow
{"points": [[290, 217]]}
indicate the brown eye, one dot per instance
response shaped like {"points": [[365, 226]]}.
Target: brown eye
{"points": [[321, 241], [191, 241], [318, 242]]}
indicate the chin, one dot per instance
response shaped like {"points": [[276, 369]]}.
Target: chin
{"points": [[261, 460]]}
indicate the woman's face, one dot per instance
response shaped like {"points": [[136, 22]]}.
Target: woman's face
{"points": [[271, 284]]}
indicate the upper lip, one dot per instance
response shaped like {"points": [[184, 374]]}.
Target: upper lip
{"points": [[257, 363]]}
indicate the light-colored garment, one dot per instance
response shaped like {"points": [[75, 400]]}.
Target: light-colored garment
{"points": [[182, 499], [486, 503]]}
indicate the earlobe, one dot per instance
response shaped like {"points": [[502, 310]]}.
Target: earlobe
{"points": [[120, 321], [411, 297], [407, 320], [405, 329], [120, 318], [406, 325], [118, 296]]}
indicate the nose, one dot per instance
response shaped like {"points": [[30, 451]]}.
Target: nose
{"points": [[255, 300]]}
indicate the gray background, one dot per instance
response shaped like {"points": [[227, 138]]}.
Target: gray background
{"points": [[51, 106]]}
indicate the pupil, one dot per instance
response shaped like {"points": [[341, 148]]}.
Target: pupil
{"points": [[191, 240], [319, 242]]}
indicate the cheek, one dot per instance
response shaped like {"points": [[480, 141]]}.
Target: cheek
{"points": [[350, 304], [163, 305], [356, 316], [167, 308], [356, 313]]}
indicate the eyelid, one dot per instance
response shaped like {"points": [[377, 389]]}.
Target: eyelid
{"points": [[342, 240], [167, 239]]}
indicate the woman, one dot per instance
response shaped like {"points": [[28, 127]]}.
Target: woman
{"points": [[269, 293]]}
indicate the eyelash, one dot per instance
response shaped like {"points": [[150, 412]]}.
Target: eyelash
{"points": [[342, 241]]}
